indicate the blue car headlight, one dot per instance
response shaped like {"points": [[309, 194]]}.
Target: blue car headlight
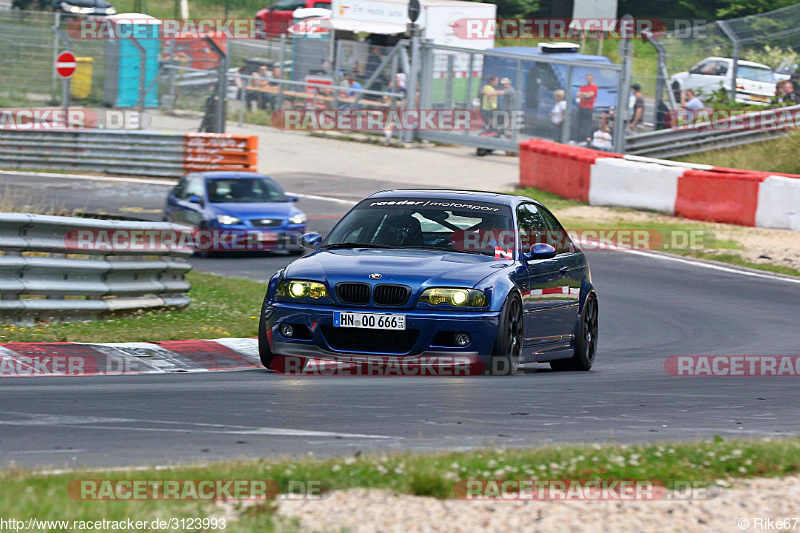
{"points": [[227, 220], [298, 218], [296, 289], [454, 297]]}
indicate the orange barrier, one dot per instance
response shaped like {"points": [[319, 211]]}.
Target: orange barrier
{"points": [[719, 196], [220, 151], [699, 192], [562, 169]]}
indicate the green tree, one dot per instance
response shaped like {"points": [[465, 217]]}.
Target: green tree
{"points": [[742, 8]]}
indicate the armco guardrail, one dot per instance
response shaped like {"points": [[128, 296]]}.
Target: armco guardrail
{"points": [[45, 272], [706, 136], [699, 192], [140, 153]]}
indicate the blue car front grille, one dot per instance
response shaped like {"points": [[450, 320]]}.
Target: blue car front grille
{"points": [[391, 294], [353, 293], [266, 222]]}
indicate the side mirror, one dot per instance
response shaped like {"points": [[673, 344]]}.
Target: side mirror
{"points": [[293, 198], [195, 199], [538, 251], [311, 241]]}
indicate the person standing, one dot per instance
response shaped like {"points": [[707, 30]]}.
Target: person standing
{"points": [[489, 94], [557, 114], [638, 108], [586, 98], [691, 103], [508, 105]]}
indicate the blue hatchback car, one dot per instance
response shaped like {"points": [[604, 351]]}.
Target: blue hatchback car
{"points": [[415, 274], [250, 210]]}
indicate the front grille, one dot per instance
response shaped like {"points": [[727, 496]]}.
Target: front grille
{"points": [[353, 293], [370, 340], [391, 294], [266, 222]]}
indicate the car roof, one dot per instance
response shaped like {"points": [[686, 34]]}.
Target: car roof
{"points": [[741, 62], [232, 174], [452, 194]]}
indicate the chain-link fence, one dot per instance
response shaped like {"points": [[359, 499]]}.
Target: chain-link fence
{"points": [[30, 44], [512, 94], [759, 52]]}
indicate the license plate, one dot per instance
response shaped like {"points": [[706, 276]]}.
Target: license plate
{"points": [[759, 98], [369, 320]]}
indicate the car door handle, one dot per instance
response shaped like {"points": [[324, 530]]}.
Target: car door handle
{"points": [[563, 269]]}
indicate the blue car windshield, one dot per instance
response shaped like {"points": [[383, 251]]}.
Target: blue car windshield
{"points": [[243, 190], [440, 224]]}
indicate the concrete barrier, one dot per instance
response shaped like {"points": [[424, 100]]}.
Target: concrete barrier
{"points": [[699, 192]]}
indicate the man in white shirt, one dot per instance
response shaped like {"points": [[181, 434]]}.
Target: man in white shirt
{"points": [[691, 103]]}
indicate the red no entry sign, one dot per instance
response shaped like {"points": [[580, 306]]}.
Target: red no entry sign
{"points": [[65, 64]]}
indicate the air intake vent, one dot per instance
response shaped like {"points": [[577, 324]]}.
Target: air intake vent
{"points": [[353, 293], [391, 294]]}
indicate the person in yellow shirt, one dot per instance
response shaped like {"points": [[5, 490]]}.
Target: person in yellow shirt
{"points": [[489, 94]]}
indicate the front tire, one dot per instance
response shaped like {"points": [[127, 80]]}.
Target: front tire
{"points": [[586, 343], [264, 351], [507, 351]]}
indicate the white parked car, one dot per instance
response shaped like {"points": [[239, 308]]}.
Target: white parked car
{"points": [[755, 83]]}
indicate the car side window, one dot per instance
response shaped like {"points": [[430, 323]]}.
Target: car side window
{"points": [[194, 187], [180, 189], [532, 227], [557, 236]]}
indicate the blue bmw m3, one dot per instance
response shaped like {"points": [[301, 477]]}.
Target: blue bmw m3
{"points": [[415, 274]]}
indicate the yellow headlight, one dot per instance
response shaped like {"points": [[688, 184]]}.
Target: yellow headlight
{"points": [[298, 289], [454, 297]]}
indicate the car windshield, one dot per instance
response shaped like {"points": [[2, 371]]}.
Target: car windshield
{"points": [[755, 74], [452, 225], [244, 190]]}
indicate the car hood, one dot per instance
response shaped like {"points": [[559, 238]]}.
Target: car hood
{"points": [[414, 268], [255, 210]]}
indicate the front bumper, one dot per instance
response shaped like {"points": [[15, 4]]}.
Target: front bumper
{"points": [[419, 342], [248, 239]]}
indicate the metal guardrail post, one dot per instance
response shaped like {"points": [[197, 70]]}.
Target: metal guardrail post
{"points": [[624, 86], [448, 87], [171, 65], [735, 55], [411, 83], [60, 36], [142, 72], [222, 83], [518, 86], [281, 55], [566, 124]]}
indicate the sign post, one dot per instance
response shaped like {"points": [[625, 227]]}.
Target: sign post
{"points": [[65, 67]]}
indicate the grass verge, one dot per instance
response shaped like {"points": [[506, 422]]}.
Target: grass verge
{"points": [[24, 494], [779, 155], [220, 307]]}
